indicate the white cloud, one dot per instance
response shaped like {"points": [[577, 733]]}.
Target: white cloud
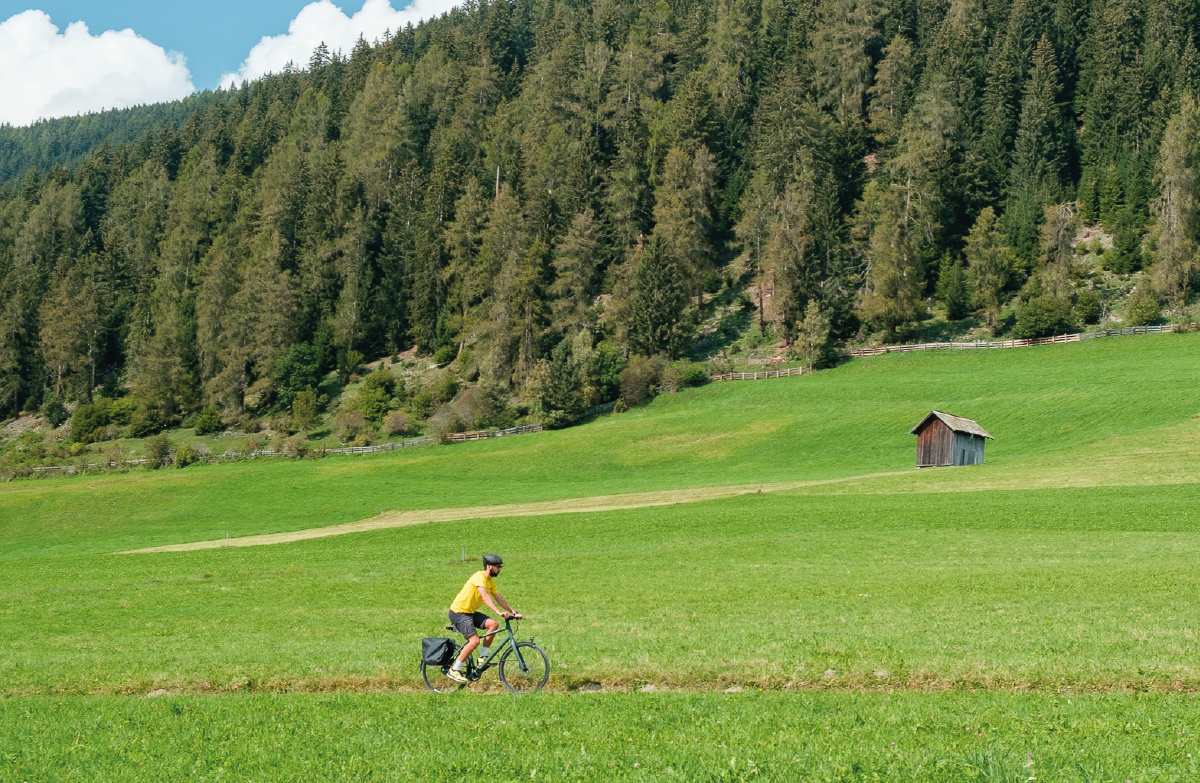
{"points": [[45, 74], [324, 22]]}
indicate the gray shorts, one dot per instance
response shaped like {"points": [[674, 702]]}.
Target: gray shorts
{"points": [[467, 623]]}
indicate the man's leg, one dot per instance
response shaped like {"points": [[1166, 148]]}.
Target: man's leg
{"points": [[456, 671], [467, 649], [489, 626]]}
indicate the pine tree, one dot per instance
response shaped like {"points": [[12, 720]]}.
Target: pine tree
{"points": [[682, 216], [812, 338], [789, 257], [894, 283], [464, 276], [987, 264], [889, 95], [71, 317], [1059, 227], [574, 287], [1178, 205], [841, 63]]}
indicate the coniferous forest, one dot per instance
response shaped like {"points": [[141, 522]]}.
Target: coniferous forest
{"points": [[539, 185]]}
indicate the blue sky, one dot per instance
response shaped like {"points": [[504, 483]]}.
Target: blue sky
{"points": [[63, 57], [215, 35]]}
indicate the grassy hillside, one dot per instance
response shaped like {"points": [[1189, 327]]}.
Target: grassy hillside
{"points": [[1050, 404]]}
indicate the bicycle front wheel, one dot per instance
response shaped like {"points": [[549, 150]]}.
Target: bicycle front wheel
{"points": [[524, 668], [436, 680]]}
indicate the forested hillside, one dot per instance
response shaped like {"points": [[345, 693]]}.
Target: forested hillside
{"points": [[527, 181], [67, 140]]}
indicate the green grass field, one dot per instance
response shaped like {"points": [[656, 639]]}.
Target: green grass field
{"points": [[1047, 596], [947, 738]]}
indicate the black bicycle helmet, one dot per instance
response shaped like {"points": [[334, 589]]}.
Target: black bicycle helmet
{"points": [[493, 559]]}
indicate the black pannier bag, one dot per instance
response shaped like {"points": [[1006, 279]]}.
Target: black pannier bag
{"points": [[437, 651]]}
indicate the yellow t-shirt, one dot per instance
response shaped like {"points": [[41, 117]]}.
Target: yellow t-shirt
{"points": [[469, 600]]}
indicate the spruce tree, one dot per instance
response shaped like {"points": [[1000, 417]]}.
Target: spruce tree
{"points": [[658, 321], [1039, 156]]}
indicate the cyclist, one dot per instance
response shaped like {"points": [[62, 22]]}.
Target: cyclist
{"points": [[466, 617]]}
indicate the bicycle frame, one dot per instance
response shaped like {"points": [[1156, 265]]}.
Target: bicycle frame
{"points": [[475, 671]]}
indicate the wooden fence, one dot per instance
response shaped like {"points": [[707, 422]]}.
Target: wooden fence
{"points": [[604, 408], [460, 437], [758, 376], [1061, 338]]}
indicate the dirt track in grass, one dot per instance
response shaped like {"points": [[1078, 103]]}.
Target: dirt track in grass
{"points": [[390, 519]]}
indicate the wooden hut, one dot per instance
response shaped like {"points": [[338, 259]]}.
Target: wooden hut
{"points": [[943, 439]]}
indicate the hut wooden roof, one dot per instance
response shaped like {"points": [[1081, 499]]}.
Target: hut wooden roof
{"points": [[955, 423]]}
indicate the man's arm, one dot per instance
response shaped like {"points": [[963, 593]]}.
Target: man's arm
{"points": [[506, 604], [487, 599]]}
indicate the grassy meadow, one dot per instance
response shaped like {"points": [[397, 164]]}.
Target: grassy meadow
{"points": [[1044, 599]]}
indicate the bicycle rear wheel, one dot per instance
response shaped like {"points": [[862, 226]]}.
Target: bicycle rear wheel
{"points": [[436, 680], [530, 677]]}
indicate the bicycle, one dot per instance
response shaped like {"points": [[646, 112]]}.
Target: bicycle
{"points": [[524, 667]]}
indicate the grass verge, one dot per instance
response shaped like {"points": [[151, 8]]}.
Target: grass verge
{"points": [[708, 737]]}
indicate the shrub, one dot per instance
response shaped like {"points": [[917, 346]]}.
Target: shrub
{"points": [[444, 355], [381, 379], [89, 421], [142, 425], [54, 411], [158, 448], [283, 424], [396, 423], [1042, 316], [1087, 307], [121, 410], [445, 421], [185, 455], [1142, 308], [373, 402], [251, 445], [444, 387], [297, 446], [349, 425], [422, 405], [557, 419], [304, 410], [683, 374], [608, 364], [640, 380], [491, 409], [208, 421]]}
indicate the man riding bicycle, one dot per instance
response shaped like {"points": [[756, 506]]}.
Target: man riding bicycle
{"points": [[465, 615]]}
